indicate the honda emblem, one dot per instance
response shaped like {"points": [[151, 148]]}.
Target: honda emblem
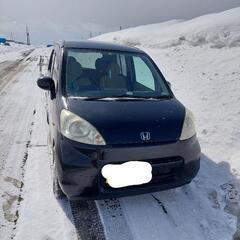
{"points": [[145, 136]]}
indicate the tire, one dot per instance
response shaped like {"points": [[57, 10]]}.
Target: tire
{"points": [[57, 191]]}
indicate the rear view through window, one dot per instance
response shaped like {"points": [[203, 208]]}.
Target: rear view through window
{"points": [[95, 73]]}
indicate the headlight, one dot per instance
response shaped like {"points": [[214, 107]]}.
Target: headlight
{"points": [[188, 129], [78, 129]]}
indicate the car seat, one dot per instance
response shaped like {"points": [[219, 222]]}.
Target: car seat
{"points": [[75, 79], [113, 80]]}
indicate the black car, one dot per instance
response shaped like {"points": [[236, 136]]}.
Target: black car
{"points": [[110, 105]]}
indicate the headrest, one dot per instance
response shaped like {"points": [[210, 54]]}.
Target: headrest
{"points": [[98, 64], [71, 59], [74, 69], [101, 64], [114, 69]]}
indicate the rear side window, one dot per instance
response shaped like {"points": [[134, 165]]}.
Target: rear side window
{"points": [[55, 67], [50, 61]]}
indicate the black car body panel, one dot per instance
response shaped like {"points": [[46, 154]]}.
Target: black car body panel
{"points": [[127, 119], [99, 45], [79, 169], [120, 121]]}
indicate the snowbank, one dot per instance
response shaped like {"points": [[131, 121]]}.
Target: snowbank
{"points": [[14, 47], [12, 52], [218, 30]]}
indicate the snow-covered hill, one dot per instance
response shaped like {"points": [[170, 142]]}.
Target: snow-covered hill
{"points": [[219, 30]]}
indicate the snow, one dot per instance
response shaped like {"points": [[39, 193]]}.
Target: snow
{"points": [[205, 77], [200, 58], [12, 52], [37, 192], [29, 209], [219, 30]]}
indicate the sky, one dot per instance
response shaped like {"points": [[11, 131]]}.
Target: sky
{"points": [[51, 20]]}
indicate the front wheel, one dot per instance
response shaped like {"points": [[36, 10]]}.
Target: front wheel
{"points": [[57, 191]]}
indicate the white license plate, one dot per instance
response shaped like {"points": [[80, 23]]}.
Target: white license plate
{"points": [[127, 174]]}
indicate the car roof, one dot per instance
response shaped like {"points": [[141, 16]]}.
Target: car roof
{"points": [[89, 44]]}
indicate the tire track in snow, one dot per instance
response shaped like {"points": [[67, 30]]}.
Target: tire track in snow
{"points": [[86, 220], [8, 69], [6, 106], [113, 219]]}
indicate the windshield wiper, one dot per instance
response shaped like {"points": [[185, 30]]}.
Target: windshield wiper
{"points": [[162, 97], [125, 97]]}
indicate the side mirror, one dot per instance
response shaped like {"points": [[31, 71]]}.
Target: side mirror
{"points": [[47, 83], [169, 84]]}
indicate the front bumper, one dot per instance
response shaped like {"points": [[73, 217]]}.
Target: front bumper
{"points": [[79, 167]]}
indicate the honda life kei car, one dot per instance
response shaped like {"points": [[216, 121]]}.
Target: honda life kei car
{"points": [[116, 128]]}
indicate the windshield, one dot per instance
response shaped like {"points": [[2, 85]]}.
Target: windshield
{"points": [[100, 73]]}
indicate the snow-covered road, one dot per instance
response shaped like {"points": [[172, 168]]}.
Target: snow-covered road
{"points": [[16, 113], [9, 68], [28, 207]]}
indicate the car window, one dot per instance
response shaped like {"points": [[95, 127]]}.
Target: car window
{"points": [[121, 60], [50, 61], [143, 74], [52, 64], [86, 60], [55, 67], [105, 73]]}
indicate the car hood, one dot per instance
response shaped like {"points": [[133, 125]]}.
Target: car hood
{"points": [[122, 122]]}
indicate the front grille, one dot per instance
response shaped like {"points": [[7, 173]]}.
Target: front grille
{"points": [[164, 170]]}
